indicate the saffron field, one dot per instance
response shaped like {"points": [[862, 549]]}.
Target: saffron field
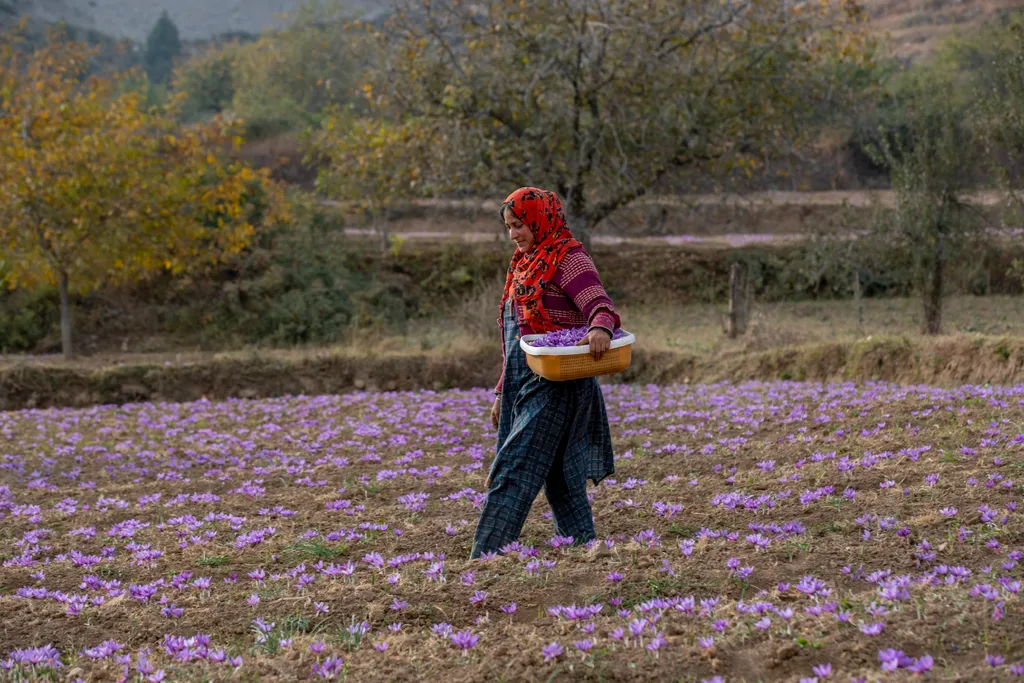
{"points": [[751, 532]]}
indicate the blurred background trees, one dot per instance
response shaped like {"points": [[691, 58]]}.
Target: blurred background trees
{"points": [[608, 103], [602, 102], [97, 189]]}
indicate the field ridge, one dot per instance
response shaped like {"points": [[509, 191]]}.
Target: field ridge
{"points": [[942, 361]]}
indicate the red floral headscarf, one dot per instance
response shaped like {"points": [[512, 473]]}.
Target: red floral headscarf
{"points": [[529, 272]]}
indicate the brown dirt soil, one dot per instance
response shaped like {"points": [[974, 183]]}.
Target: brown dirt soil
{"points": [[684, 445]]}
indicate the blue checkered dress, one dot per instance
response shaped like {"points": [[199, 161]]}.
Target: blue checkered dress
{"points": [[551, 435]]}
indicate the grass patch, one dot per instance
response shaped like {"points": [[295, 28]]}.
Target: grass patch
{"points": [[316, 549], [212, 560]]}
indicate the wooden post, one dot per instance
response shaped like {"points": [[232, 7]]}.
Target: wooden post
{"points": [[858, 300], [748, 299], [738, 306], [380, 224]]}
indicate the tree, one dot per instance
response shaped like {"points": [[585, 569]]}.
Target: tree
{"points": [[286, 78], [163, 46], [369, 163], [932, 167], [598, 100], [999, 115], [207, 80], [96, 189]]}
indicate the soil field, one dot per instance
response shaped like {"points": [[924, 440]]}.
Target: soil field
{"points": [[753, 532]]}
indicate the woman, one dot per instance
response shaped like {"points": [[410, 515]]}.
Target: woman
{"points": [[551, 435]]}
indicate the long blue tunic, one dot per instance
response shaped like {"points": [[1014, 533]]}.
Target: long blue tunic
{"points": [[551, 435]]}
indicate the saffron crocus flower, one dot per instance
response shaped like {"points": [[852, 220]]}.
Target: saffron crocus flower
{"points": [[890, 658], [509, 608], [822, 670], [585, 645], [172, 612], [658, 642], [872, 629], [329, 668], [551, 651], [921, 665], [443, 630], [464, 640]]}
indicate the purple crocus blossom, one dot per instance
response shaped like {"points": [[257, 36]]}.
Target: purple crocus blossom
{"points": [[570, 336]]}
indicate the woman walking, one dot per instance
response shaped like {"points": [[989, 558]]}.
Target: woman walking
{"points": [[551, 435]]}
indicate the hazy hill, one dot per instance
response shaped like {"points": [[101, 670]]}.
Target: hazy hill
{"points": [[196, 19], [913, 25]]}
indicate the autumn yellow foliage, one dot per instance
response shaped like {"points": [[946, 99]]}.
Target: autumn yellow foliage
{"points": [[96, 188]]}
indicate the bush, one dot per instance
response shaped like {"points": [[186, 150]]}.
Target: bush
{"points": [[26, 318], [291, 286], [208, 80]]}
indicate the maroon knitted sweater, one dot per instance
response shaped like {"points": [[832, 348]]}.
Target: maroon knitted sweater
{"points": [[575, 298]]}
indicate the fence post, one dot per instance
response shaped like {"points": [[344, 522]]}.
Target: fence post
{"points": [[739, 304], [858, 298]]}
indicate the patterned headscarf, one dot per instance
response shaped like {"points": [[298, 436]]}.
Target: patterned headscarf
{"points": [[529, 272]]}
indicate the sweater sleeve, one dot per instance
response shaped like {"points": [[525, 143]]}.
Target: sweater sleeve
{"points": [[578, 278]]}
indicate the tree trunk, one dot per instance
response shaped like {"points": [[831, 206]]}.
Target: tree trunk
{"points": [[576, 216], [933, 297], [65, 319], [578, 228], [381, 226], [584, 237]]}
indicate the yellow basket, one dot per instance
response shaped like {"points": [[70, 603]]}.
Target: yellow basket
{"points": [[563, 363]]}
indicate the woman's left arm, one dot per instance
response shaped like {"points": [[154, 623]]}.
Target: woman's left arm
{"points": [[578, 278]]}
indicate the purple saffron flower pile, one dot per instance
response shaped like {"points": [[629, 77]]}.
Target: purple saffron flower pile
{"points": [[570, 336], [871, 532]]}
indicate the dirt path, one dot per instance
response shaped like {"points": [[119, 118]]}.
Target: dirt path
{"points": [[726, 240]]}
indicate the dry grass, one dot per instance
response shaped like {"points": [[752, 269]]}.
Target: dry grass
{"points": [[696, 329], [699, 328]]}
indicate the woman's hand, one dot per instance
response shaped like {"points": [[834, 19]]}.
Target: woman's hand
{"points": [[599, 341], [496, 412]]}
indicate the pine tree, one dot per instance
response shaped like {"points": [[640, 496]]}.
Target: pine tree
{"points": [[163, 45]]}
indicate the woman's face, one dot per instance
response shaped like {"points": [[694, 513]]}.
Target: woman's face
{"points": [[517, 232]]}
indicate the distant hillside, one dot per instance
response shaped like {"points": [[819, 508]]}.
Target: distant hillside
{"points": [[196, 19], [915, 27]]}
